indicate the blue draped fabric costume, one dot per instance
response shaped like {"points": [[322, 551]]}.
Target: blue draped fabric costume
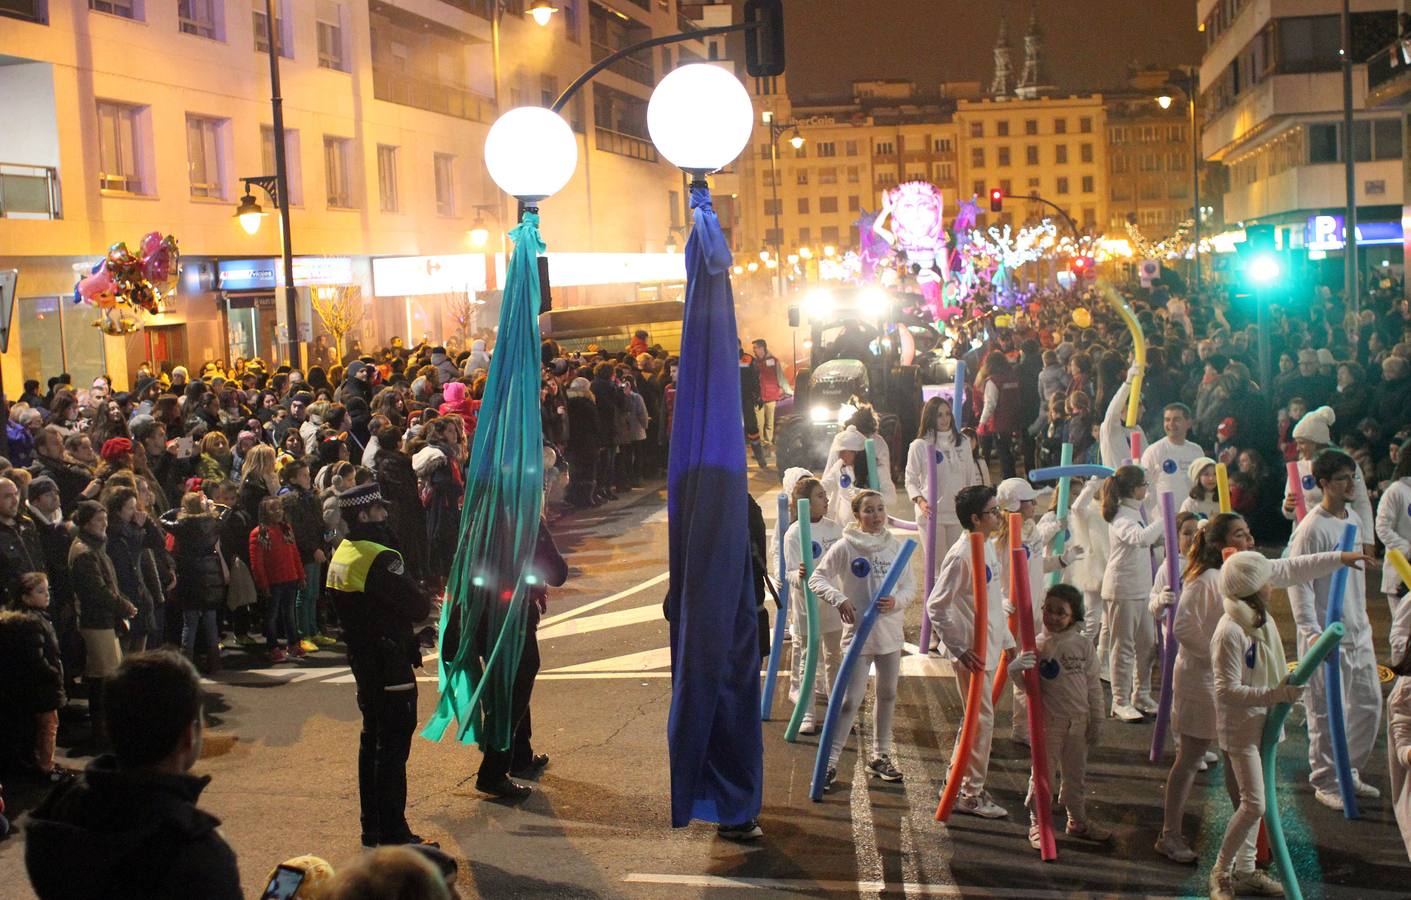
{"points": [[713, 733], [484, 617]]}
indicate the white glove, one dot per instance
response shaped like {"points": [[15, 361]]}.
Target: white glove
{"points": [[1021, 663], [1286, 693], [1166, 599], [1074, 553], [1009, 608], [1133, 372]]}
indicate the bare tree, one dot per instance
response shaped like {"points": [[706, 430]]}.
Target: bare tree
{"points": [[340, 308], [463, 308]]}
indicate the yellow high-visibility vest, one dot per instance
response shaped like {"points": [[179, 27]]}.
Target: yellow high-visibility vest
{"points": [[348, 569]]}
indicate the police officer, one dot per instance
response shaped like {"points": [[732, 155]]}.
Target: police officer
{"points": [[378, 605]]}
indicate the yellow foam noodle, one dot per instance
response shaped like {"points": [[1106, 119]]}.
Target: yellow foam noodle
{"points": [[1222, 487], [1397, 561], [1115, 300]]}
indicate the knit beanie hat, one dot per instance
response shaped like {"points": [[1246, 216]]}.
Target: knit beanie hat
{"points": [[1197, 466], [792, 476], [852, 440], [1315, 426], [1244, 573]]}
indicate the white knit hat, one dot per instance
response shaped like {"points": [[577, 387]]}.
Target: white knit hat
{"points": [[1315, 425], [1243, 574], [1197, 466], [792, 476], [852, 440]]}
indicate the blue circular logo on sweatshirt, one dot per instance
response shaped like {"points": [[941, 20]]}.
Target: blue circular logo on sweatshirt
{"points": [[1048, 668], [861, 567], [845, 480], [1308, 483], [1169, 467], [1249, 656], [1028, 554], [989, 576], [817, 550], [940, 456]]}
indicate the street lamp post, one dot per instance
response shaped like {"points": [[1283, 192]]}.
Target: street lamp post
{"points": [[776, 131], [1188, 85]]}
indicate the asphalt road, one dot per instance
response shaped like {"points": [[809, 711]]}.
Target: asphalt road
{"points": [[282, 752]]}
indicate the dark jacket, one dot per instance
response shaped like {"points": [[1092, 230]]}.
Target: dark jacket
{"points": [[20, 552], [377, 621], [136, 835], [171, 474], [584, 440], [200, 576], [30, 667], [124, 548], [54, 542], [70, 477], [304, 512], [405, 514], [95, 584], [609, 402]]}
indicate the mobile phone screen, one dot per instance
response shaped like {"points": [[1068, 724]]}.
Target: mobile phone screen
{"points": [[283, 883]]}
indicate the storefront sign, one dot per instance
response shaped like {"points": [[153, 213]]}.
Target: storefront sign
{"points": [[266, 274], [583, 269], [1328, 233], [414, 276]]}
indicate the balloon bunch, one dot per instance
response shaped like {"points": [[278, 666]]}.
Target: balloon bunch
{"points": [[121, 284]]}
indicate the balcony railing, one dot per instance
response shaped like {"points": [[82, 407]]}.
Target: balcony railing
{"points": [[629, 145], [29, 192], [433, 96], [636, 68]]}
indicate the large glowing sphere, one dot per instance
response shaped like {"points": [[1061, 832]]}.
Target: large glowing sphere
{"points": [[700, 117], [531, 153]]}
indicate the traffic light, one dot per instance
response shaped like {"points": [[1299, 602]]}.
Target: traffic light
{"points": [[764, 43], [996, 200], [1260, 258], [1083, 267]]}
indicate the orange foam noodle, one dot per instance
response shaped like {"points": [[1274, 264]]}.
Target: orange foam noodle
{"points": [[971, 723]]}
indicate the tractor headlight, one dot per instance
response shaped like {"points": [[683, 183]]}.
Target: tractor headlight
{"points": [[818, 415]]}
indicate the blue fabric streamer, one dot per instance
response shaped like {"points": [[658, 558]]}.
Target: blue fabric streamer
{"points": [[484, 616], [714, 736]]}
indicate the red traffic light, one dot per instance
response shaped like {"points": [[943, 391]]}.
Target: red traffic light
{"points": [[996, 199], [1080, 263], [1083, 267]]}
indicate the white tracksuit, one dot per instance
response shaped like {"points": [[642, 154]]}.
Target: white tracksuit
{"points": [[884, 463], [955, 469], [1321, 532], [1114, 437], [853, 571], [825, 533], [951, 607], [1313, 495], [1394, 530], [1038, 547], [1167, 467], [1127, 588], [1090, 531], [840, 483], [1073, 713], [1203, 509]]}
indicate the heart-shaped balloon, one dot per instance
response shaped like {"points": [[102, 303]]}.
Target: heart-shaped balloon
{"points": [[150, 242]]}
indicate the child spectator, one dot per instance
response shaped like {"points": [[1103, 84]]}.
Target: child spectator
{"points": [[278, 573], [33, 677]]}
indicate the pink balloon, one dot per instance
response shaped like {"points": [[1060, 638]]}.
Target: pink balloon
{"points": [[92, 288], [157, 266], [150, 242]]}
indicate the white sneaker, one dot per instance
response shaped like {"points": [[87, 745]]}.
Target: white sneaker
{"points": [[1221, 886], [808, 726], [1257, 883], [1211, 757], [1330, 799], [1175, 849], [983, 806], [1363, 789], [1202, 765], [1126, 713], [1146, 704]]}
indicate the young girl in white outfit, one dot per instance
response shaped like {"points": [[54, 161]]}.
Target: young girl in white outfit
{"points": [[825, 533], [1394, 525], [1204, 499], [1251, 675], [1091, 533], [849, 574], [955, 468], [1072, 700], [1399, 747], [1126, 587], [841, 479]]}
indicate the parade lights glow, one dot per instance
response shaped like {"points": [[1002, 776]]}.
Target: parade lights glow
{"points": [[874, 303], [700, 117], [819, 304], [1264, 269], [531, 153]]}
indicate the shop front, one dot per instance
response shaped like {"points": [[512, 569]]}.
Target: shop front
{"points": [[251, 292]]}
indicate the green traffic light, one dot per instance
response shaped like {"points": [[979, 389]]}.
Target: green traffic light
{"points": [[1263, 269]]}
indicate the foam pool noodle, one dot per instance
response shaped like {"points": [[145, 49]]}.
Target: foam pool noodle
{"points": [[1038, 740], [1065, 488], [971, 722], [1300, 502], [810, 665], [1337, 721], [932, 495], [1222, 487], [1016, 527], [781, 618], [1081, 470], [874, 478], [1168, 655], [1138, 349]]}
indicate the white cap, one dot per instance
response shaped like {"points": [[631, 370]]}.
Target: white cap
{"points": [[1316, 426], [792, 476], [1243, 574], [1014, 491], [851, 440]]}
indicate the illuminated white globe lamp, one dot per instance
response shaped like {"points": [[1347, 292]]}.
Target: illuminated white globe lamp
{"points": [[541, 11], [1164, 101], [700, 117], [531, 153]]}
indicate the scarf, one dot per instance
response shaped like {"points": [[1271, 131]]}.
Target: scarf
{"points": [[873, 544], [1270, 666]]}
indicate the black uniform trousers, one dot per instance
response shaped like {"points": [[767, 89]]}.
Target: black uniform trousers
{"points": [[498, 763], [389, 720]]}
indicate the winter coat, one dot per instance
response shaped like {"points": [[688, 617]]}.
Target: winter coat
{"points": [[54, 540], [21, 445], [138, 834], [304, 513], [20, 552], [636, 424], [610, 402], [30, 667], [100, 600], [126, 541], [71, 478], [584, 433], [438, 485], [405, 514], [201, 574], [274, 557]]}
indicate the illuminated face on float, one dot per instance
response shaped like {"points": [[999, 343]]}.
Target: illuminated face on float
{"points": [[918, 219]]}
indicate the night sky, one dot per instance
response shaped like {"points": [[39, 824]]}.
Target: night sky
{"points": [[1087, 44]]}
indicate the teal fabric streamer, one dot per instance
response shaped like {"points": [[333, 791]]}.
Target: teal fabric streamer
{"points": [[484, 616]]}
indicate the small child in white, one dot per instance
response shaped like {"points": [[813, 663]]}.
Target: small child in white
{"points": [[847, 577], [1073, 706]]}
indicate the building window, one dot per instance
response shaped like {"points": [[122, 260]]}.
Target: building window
{"points": [[387, 199], [1120, 165], [1085, 153], [801, 177], [770, 179], [942, 145], [829, 234], [1089, 217], [128, 9], [291, 161], [1150, 162], [548, 90], [1085, 125], [803, 206], [1033, 185], [329, 20], [916, 176], [977, 129], [200, 17], [827, 204], [977, 187], [261, 33], [1060, 154], [773, 206], [1150, 190], [569, 8], [850, 148], [1060, 126], [1006, 187], [766, 151], [1062, 185], [854, 174], [828, 175], [944, 173], [120, 147], [1087, 184], [884, 148], [801, 151], [1002, 128], [1323, 143], [886, 178], [203, 155], [977, 157], [854, 203], [1031, 155], [827, 148], [774, 237], [1031, 126], [805, 237], [1120, 192], [445, 171], [337, 174]]}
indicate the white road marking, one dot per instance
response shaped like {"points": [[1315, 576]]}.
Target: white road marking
{"points": [[589, 607], [643, 661], [634, 616], [815, 887]]}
